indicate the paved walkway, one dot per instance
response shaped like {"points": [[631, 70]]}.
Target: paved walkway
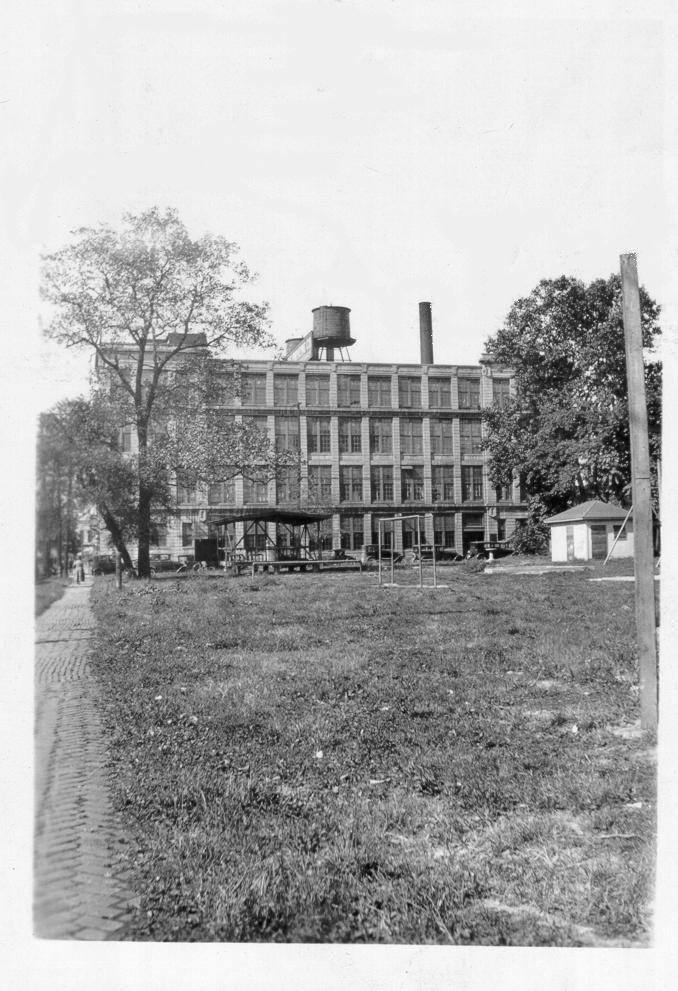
{"points": [[80, 891]]}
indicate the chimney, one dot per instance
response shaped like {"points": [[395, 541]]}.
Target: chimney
{"points": [[425, 333]]}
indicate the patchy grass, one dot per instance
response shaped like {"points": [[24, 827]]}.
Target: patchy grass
{"points": [[312, 758], [47, 591]]}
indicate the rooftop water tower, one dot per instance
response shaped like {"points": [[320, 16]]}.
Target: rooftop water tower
{"points": [[331, 329]]}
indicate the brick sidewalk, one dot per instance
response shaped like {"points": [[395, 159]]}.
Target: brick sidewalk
{"points": [[80, 892]]}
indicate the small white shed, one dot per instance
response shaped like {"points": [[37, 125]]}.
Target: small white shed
{"points": [[586, 532]]}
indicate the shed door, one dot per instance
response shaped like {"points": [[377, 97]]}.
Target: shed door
{"points": [[569, 537], [598, 540]]}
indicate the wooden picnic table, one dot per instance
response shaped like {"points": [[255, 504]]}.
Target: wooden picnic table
{"points": [[303, 564]]}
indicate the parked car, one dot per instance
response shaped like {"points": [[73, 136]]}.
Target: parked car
{"points": [[372, 552], [161, 564], [498, 548], [483, 548], [443, 554], [103, 565]]}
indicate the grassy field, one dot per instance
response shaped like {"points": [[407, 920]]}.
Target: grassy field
{"points": [[312, 758], [47, 591]]}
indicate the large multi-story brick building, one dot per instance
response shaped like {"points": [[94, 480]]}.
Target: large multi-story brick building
{"points": [[374, 440]]}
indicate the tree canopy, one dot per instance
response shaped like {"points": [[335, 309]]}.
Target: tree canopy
{"points": [[155, 307], [565, 431]]}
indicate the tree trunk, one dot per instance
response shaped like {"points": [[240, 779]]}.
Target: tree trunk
{"points": [[145, 498], [116, 535], [144, 525]]}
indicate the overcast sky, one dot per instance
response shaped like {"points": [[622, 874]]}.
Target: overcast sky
{"points": [[366, 153]]}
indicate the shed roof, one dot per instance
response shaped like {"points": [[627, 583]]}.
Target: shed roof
{"points": [[594, 509], [293, 517]]}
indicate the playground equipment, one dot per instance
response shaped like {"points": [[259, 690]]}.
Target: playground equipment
{"points": [[381, 543], [291, 550]]}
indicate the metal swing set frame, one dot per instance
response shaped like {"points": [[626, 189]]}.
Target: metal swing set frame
{"points": [[382, 521]]}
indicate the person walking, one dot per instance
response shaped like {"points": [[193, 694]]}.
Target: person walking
{"points": [[79, 570]]}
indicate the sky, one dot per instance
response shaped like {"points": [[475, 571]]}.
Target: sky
{"points": [[367, 154]]}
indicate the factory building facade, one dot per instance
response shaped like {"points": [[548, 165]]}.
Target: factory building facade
{"points": [[373, 440]]}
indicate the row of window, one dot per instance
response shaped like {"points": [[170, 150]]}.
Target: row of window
{"points": [[382, 486], [252, 390], [381, 435]]}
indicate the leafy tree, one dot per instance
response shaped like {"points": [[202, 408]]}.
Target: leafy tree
{"points": [[85, 435], [154, 306], [56, 507], [532, 535], [565, 432], [102, 476]]}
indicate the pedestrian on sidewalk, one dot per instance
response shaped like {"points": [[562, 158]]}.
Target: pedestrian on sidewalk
{"points": [[79, 569]]}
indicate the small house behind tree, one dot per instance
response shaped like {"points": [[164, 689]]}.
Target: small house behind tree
{"points": [[587, 532]]}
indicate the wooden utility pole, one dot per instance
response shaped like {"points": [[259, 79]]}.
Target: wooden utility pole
{"points": [[642, 505]]}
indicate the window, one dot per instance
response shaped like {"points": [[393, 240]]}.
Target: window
{"points": [[222, 387], [159, 535], [221, 493], [386, 532], [502, 493], [255, 491], [317, 390], [318, 432], [184, 385], [320, 484], [285, 390], [471, 437], [186, 534], [287, 433], [412, 530], [187, 493], [159, 430], [471, 483], [441, 436], [259, 423], [412, 484], [381, 435], [287, 485], [325, 541], [351, 483], [348, 390], [469, 393], [255, 537], [381, 479], [349, 435], [379, 391], [411, 437], [409, 392], [442, 477], [439, 395], [501, 392], [253, 390], [443, 529], [473, 521], [522, 481], [351, 532]]}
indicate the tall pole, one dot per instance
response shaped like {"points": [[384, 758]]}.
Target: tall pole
{"points": [[642, 506]]}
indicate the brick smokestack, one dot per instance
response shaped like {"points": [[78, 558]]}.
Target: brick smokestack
{"points": [[426, 333]]}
